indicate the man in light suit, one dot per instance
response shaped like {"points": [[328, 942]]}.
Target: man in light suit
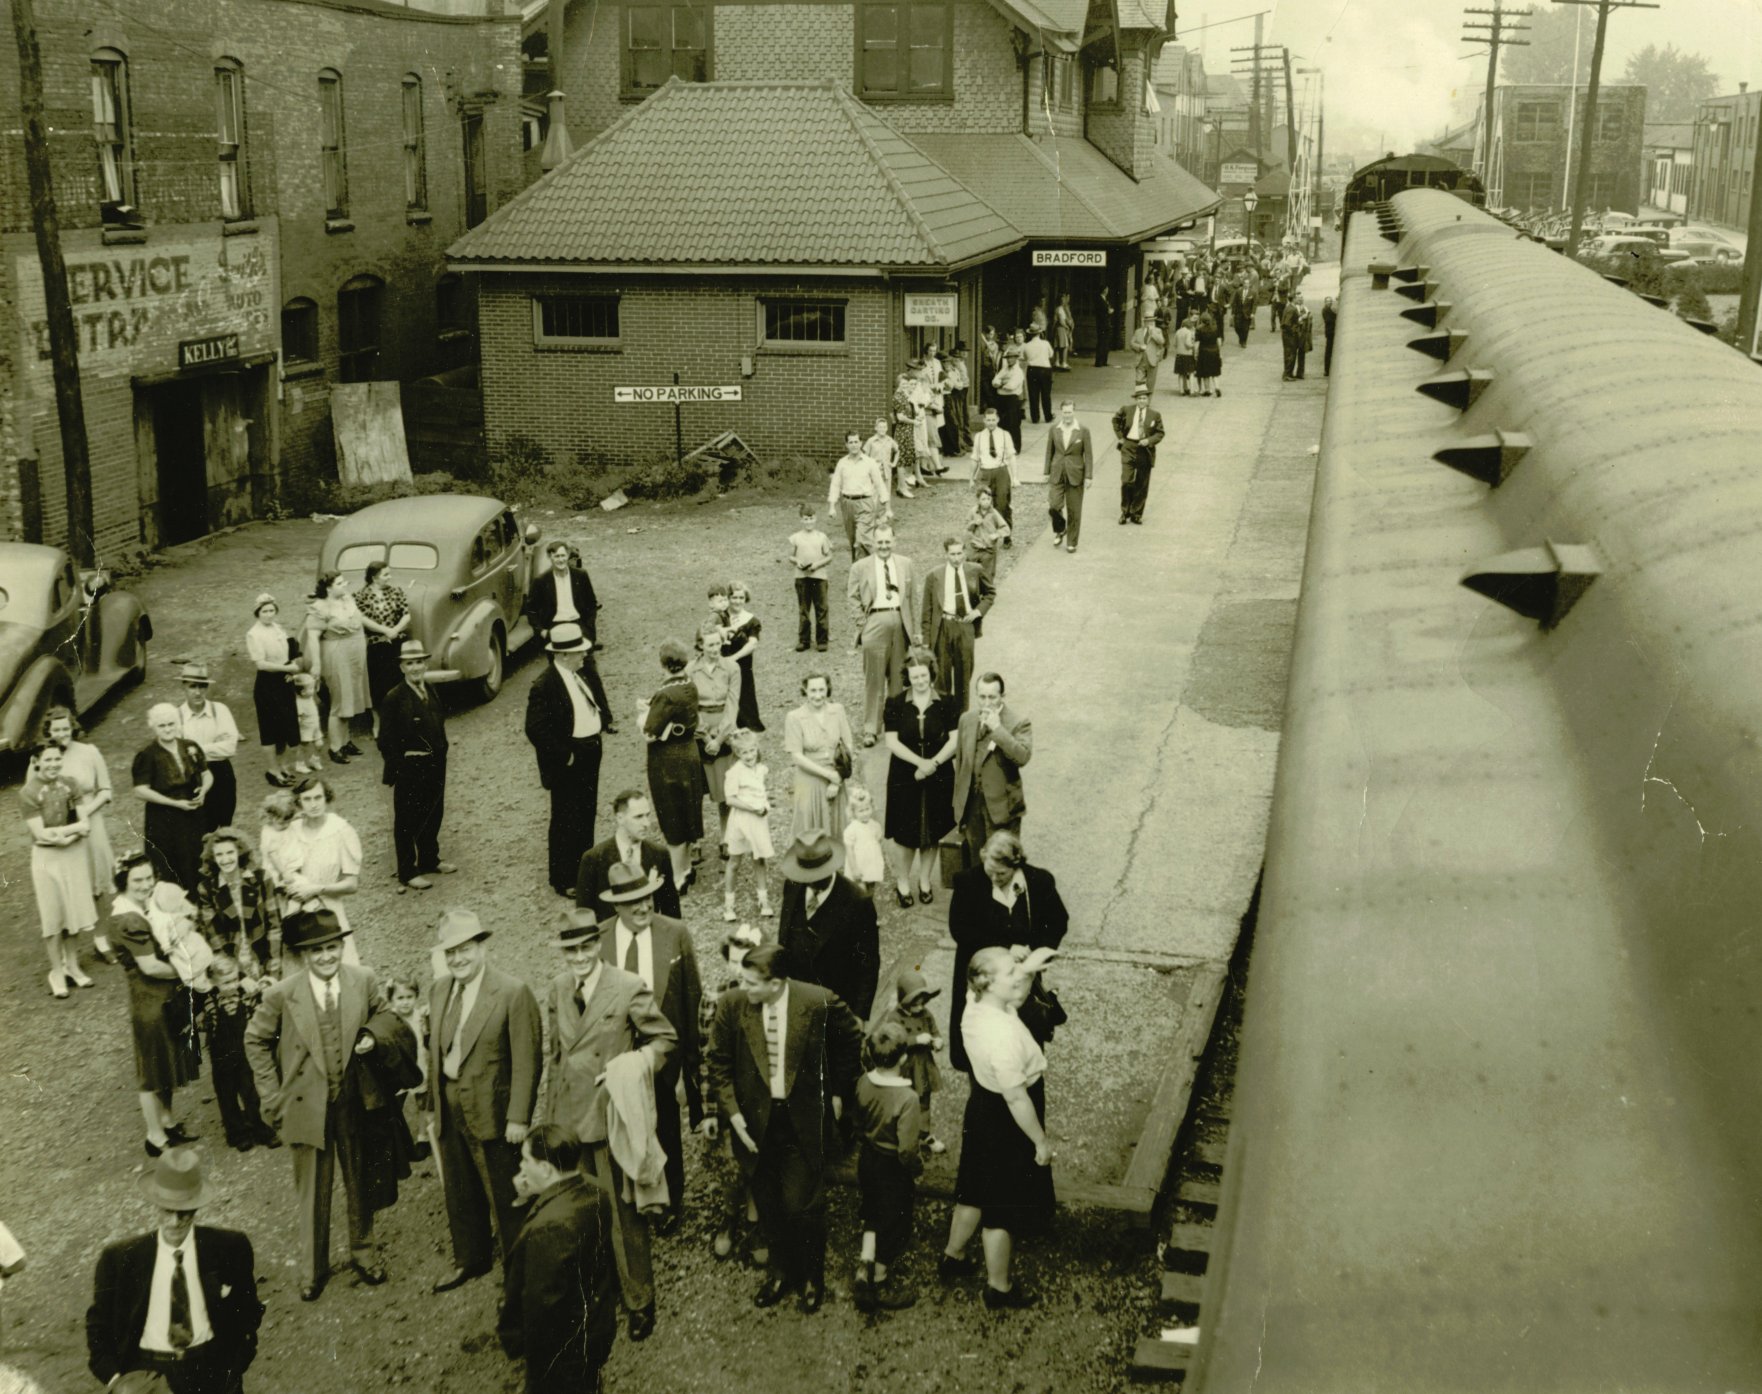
{"points": [[566, 715], [992, 746], [594, 1011], [957, 597], [1070, 465], [483, 1068], [779, 1051], [828, 923], [658, 949], [304, 1042], [563, 593], [632, 843], [1138, 429], [885, 621], [181, 1301]]}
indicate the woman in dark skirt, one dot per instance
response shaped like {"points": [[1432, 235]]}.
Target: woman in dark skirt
{"points": [[1004, 1186], [172, 778], [385, 615], [676, 772], [161, 1009], [1210, 366], [273, 651], [742, 641], [922, 729]]}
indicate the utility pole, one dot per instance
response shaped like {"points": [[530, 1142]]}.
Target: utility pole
{"points": [[64, 363], [1290, 119], [1492, 32], [1752, 287], [1582, 185]]}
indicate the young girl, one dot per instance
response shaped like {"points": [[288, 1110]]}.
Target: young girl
{"points": [[888, 1121], [61, 867], [984, 529], [309, 754], [909, 1010], [864, 861], [276, 814], [749, 834], [406, 1002], [742, 641]]}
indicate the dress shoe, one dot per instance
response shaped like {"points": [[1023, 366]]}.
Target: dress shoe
{"points": [[1138, 522], [418, 883], [723, 1245], [642, 1323], [155, 1149], [813, 1296], [905, 898], [1012, 1297], [801, 648], [58, 985], [77, 977], [445, 868], [351, 750], [1122, 520], [773, 1292], [338, 758], [1071, 547], [372, 1274], [926, 897], [179, 1136], [951, 1267], [311, 1292], [458, 1278]]}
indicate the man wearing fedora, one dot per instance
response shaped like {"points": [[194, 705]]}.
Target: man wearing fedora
{"points": [[303, 1044], [658, 949], [180, 1301], [1137, 428], [211, 726], [566, 714], [413, 744], [779, 1050], [595, 1011], [483, 1069], [992, 744], [632, 844], [828, 924], [564, 594]]}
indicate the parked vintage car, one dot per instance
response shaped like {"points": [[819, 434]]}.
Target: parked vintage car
{"points": [[466, 566], [67, 637]]}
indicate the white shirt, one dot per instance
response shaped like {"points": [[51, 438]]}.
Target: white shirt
{"points": [[1007, 895], [887, 592], [156, 1334], [566, 608], [645, 952], [1067, 430], [856, 476], [778, 1012], [454, 1060], [1000, 1050], [584, 989], [587, 712], [214, 730], [993, 449], [1037, 353], [1137, 431], [954, 583], [324, 991], [630, 853]]}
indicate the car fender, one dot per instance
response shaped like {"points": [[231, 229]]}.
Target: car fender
{"points": [[44, 673], [122, 624], [466, 650]]}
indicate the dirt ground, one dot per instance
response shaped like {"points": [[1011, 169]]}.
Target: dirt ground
{"points": [[73, 1159]]}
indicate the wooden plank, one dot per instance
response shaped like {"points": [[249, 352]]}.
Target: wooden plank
{"points": [[1192, 1192], [1154, 1359], [1211, 1152], [1190, 1239], [1182, 1289], [1156, 1144]]}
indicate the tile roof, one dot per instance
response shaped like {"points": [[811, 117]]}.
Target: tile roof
{"points": [[744, 173], [1068, 188], [1046, 20], [1143, 14]]}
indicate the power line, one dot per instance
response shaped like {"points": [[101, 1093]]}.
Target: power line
{"points": [[1581, 188], [1495, 29]]}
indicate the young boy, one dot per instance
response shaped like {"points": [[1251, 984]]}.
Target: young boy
{"points": [[811, 552], [225, 1013], [883, 449], [888, 1118], [984, 528]]}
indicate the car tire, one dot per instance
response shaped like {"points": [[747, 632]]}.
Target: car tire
{"points": [[491, 681]]}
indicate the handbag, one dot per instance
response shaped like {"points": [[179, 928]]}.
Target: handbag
{"points": [[1042, 1013], [842, 761]]}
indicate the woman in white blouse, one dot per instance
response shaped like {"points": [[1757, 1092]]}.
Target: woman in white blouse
{"points": [[320, 855], [1004, 1187], [271, 650]]}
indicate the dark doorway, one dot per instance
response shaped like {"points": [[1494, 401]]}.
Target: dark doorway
{"points": [[182, 460]]}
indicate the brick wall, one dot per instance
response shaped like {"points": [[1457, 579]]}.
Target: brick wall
{"points": [[1618, 159], [1045, 115], [699, 328]]}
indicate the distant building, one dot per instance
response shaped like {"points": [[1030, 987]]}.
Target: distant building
{"points": [[1456, 145], [1535, 140], [1667, 155], [1183, 127], [1724, 152]]}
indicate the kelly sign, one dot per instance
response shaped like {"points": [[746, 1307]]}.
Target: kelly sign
{"points": [[216, 348], [1070, 256], [932, 311], [674, 392]]}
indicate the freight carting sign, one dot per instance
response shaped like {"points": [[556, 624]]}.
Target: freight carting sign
{"points": [[674, 392]]}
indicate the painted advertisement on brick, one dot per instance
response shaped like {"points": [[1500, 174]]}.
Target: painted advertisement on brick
{"points": [[133, 305]]}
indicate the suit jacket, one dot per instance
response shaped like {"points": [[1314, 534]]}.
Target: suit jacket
{"points": [[839, 947], [679, 993], [550, 719], [409, 722], [499, 1046], [122, 1287], [560, 1288], [863, 588], [287, 1055], [976, 920], [1122, 423], [596, 866], [1075, 465], [821, 1043], [999, 772], [621, 1015], [541, 602], [979, 588]]}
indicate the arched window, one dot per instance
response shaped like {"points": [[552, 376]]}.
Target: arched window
{"points": [[229, 117], [332, 165], [299, 331], [359, 306], [110, 128], [415, 153]]}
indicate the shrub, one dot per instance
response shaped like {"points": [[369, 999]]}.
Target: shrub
{"points": [[520, 469]]}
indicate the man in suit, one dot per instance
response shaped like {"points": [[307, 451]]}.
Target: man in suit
{"points": [[304, 1044], [181, 1301], [1070, 465], [413, 744], [882, 616], [559, 1290], [563, 594], [658, 949], [594, 1012], [566, 715], [957, 597], [992, 746], [1138, 429], [633, 819], [828, 924], [483, 1068], [779, 1050], [994, 462]]}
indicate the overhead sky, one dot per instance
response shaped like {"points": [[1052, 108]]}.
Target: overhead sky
{"points": [[1398, 69]]}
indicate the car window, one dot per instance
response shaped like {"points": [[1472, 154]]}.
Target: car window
{"points": [[510, 529], [413, 556], [480, 553], [357, 557]]}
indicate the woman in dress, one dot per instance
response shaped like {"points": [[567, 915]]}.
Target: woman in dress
{"points": [[1186, 355], [812, 734], [921, 732], [905, 429], [320, 858], [1210, 363], [719, 689], [1064, 334], [235, 898], [82, 765], [172, 778], [161, 1010], [741, 642], [272, 651], [935, 404], [61, 869], [336, 639], [1004, 1187], [676, 770], [385, 614]]}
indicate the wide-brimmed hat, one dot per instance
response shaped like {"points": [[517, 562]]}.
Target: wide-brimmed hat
{"points": [[264, 598], [740, 941], [624, 884], [568, 638], [412, 648], [310, 929], [175, 1181], [913, 985], [194, 672], [1141, 390], [459, 927], [813, 858], [579, 927]]}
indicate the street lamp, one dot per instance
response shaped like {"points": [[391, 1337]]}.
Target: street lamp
{"points": [[1250, 201]]}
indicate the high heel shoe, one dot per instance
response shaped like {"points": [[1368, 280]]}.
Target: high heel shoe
{"points": [[905, 898], [58, 984], [78, 978], [153, 1151], [926, 896]]}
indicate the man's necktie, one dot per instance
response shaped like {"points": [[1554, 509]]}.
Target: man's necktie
{"points": [[773, 1039], [180, 1328], [631, 958], [450, 1020], [887, 575], [966, 601], [991, 442]]}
